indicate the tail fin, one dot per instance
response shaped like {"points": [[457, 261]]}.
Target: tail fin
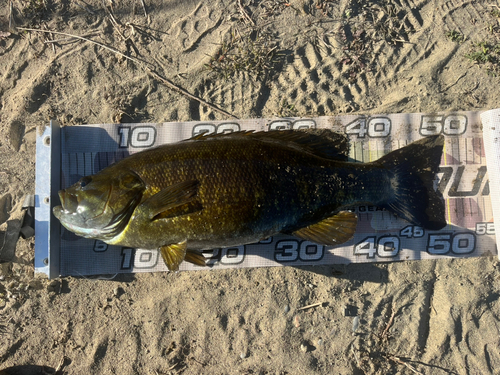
{"points": [[413, 170]]}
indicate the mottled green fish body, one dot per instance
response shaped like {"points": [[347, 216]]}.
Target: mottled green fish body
{"points": [[226, 190]]}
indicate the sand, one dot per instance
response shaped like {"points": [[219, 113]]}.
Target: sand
{"points": [[309, 58]]}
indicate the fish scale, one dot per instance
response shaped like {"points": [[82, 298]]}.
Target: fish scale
{"points": [[237, 196]]}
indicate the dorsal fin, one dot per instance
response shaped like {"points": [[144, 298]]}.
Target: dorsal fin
{"points": [[324, 143], [204, 135]]}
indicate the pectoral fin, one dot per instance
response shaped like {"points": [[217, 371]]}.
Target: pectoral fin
{"points": [[175, 253], [331, 231], [170, 198]]}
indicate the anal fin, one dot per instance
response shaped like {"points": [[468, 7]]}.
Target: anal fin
{"points": [[331, 231]]}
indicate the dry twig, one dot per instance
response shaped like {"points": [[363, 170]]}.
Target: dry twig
{"points": [[400, 361], [85, 8], [185, 93], [113, 20], [70, 38], [245, 14], [309, 306], [355, 356], [144, 8], [148, 68], [60, 366], [87, 40], [384, 334], [11, 16]]}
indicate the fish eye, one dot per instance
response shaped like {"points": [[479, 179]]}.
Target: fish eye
{"points": [[85, 181]]}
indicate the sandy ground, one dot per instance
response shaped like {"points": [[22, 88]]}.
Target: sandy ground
{"points": [[319, 58]]}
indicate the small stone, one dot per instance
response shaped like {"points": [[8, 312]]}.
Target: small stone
{"points": [[243, 355], [286, 309], [303, 347], [355, 324], [35, 284]]}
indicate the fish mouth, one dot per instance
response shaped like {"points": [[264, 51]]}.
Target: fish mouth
{"points": [[69, 202], [57, 211]]}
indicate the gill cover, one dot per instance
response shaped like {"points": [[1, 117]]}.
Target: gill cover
{"points": [[100, 206]]}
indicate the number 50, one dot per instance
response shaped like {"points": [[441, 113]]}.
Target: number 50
{"points": [[449, 125]]}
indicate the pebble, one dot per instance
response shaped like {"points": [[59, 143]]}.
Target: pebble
{"points": [[303, 347], [54, 283], [243, 355], [35, 284], [355, 324], [286, 309], [53, 286]]}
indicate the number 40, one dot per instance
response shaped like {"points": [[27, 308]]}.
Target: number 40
{"points": [[387, 246]]}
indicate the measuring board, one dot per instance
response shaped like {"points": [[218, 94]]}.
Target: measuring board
{"points": [[64, 155]]}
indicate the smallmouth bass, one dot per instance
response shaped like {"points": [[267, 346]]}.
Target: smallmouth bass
{"points": [[228, 190]]}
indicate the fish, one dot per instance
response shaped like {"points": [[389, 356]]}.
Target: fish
{"points": [[221, 190]]}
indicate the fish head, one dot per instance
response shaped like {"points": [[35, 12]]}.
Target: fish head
{"points": [[100, 206]]}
